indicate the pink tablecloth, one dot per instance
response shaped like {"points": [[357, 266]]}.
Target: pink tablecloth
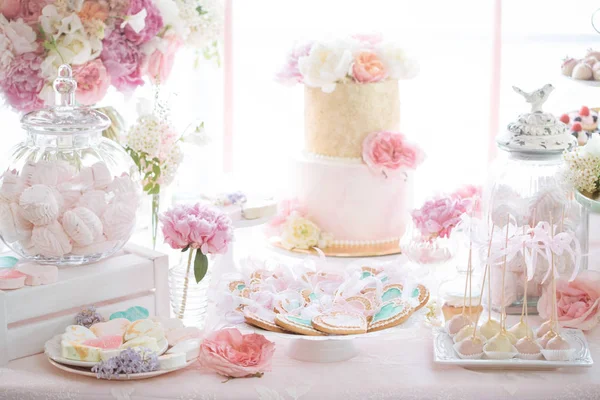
{"points": [[398, 367]]}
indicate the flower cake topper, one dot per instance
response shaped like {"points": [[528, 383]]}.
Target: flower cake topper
{"points": [[385, 152]]}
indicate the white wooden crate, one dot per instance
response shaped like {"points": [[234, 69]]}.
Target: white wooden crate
{"points": [[32, 315]]}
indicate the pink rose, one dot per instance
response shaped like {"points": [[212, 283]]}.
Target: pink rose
{"points": [[386, 151], [473, 193], [231, 354], [10, 8], [577, 302], [23, 82], [160, 63], [92, 82], [437, 217], [29, 10], [368, 68], [154, 21], [290, 73], [123, 61]]}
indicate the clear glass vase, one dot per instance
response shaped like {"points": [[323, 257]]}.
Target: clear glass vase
{"points": [[189, 300], [426, 249]]}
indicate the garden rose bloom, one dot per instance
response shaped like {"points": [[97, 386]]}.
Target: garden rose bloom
{"points": [[438, 217], [123, 61], [325, 65], [23, 82], [284, 209], [368, 68], [231, 354], [398, 64], [30, 10], [300, 233], [160, 63], [154, 21], [290, 74], [473, 193], [91, 10], [21, 36], [10, 8], [386, 151], [578, 302], [92, 82]]}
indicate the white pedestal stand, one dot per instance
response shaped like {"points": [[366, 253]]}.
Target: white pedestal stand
{"points": [[324, 351]]}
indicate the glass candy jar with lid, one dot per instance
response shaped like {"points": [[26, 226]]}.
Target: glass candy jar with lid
{"points": [[528, 187], [68, 196]]}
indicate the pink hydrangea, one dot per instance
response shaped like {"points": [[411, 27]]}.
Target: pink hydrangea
{"points": [[198, 226], [290, 74], [123, 61], [154, 21], [385, 152], [284, 209], [92, 82], [23, 82], [439, 216]]}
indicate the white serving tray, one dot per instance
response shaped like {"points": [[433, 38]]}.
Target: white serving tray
{"points": [[443, 353]]}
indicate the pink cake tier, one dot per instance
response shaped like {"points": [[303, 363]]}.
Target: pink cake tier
{"points": [[352, 203]]}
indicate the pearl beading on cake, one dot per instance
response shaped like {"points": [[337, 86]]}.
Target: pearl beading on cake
{"points": [[323, 157], [358, 243]]}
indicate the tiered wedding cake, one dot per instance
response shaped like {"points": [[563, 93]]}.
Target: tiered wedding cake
{"points": [[354, 180]]}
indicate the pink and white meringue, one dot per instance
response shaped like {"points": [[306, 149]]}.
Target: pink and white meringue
{"points": [[51, 173], [102, 176], [590, 60], [568, 65], [39, 205], [70, 193], [51, 240], [95, 200], [27, 172], [12, 186], [82, 225], [582, 71], [119, 220], [12, 225]]}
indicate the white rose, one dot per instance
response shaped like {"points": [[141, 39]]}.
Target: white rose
{"points": [[51, 20], [326, 65], [592, 147], [170, 15], [299, 233], [21, 35], [398, 63]]}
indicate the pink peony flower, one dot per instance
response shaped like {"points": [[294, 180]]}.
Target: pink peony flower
{"points": [[159, 64], [23, 82], [198, 226], [284, 209], [30, 10], [439, 216], [10, 8], [123, 61], [290, 74], [368, 68], [577, 302], [231, 354], [474, 194], [388, 151], [154, 21], [369, 39], [92, 82]]}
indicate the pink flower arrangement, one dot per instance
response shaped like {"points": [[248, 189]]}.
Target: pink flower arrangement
{"points": [[230, 353], [285, 208], [368, 68], [385, 152], [578, 302], [290, 74], [109, 42], [438, 217], [473, 193]]}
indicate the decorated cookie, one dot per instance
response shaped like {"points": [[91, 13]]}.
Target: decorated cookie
{"points": [[391, 292], [262, 323], [340, 323], [77, 333], [116, 326], [423, 296], [144, 327], [179, 335], [297, 325], [132, 314], [38, 274], [391, 314], [237, 286], [8, 261], [361, 304], [11, 279], [105, 342]]}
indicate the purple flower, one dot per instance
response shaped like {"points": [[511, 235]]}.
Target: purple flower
{"points": [[88, 316], [23, 82], [123, 61], [129, 361], [154, 21]]}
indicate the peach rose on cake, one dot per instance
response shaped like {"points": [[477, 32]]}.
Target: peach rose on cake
{"points": [[368, 68], [577, 302], [385, 152], [229, 353]]}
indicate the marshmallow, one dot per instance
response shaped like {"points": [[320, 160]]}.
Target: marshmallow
{"points": [[123, 185], [82, 226], [12, 186], [72, 350], [114, 327], [77, 333], [95, 200], [51, 240], [582, 71], [119, 220], [171, 361], [38, 274], [190, 347], [11, 279], [144, 327], [142, 341], [102, 176], [179, 335], [39, 205]]}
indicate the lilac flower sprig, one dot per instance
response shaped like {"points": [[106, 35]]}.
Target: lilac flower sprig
{"points": [[88, 316], [129, 361]]}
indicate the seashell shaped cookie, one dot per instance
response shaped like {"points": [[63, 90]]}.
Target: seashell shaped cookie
{"points": [[51, 240], [12, 186], [95, 200], [119, 220], [13, 226], [82, 225], [39, 205]]}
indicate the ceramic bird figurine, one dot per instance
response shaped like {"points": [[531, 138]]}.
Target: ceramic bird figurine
{"points": [[536, 98]]}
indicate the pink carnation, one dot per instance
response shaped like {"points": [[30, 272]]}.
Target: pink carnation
{"points": [[123, 61], [284, 209], [154, 21], [23, 82], [386, 151], [438, 217], [231, 354], [198, 226], [92, 82], [290, 74], [159, 64]]}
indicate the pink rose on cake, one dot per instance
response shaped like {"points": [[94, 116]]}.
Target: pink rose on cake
{"points": [[385, 152], [577, 302], [368, 68]]}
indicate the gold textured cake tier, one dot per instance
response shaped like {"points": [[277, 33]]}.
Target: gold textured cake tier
{"points": [[335, 124]]}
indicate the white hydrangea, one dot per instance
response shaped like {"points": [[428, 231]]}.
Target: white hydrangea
{"points": [[202, 21], [145, 135]]}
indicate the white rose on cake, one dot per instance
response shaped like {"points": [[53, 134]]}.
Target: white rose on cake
{"points": [[300, 233], [398, 63], [325, 65]]}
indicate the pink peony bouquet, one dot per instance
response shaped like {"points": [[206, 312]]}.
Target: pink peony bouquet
{"points": [[107, 42], [198, 228], [438, 217], [385, 152], [358, 59], [230, 353], [473, 193]]}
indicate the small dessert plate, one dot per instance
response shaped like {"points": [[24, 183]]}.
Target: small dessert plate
{"points": [[443, 353], [53, 351]]}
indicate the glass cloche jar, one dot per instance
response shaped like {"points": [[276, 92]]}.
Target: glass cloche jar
{"points": [[528, 186], [68, 196]]}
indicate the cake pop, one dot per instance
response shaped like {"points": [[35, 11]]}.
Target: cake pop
{"points": [[471, 346], [490, 328], [545, 327], [499, 343], [464, 333], [568, 65], [558, 343], [582, 71], [527, 345]]}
